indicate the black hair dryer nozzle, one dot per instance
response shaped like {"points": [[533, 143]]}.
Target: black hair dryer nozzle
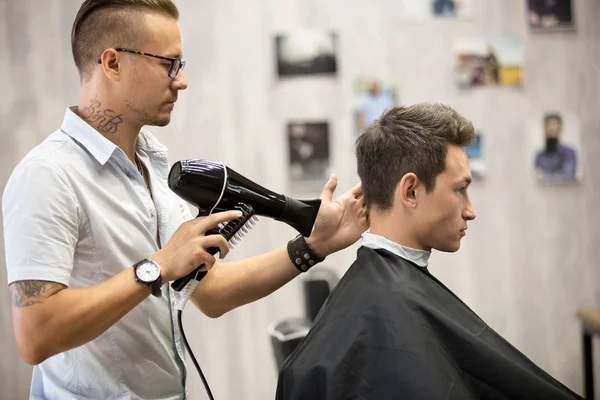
{"points": [[214, 187]]}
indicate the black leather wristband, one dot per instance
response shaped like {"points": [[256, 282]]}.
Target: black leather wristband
{"points": [[301, 255]]}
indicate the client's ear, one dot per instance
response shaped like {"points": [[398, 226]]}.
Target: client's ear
{"points": [[406, 190]]}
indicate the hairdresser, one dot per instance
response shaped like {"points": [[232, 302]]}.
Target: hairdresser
{"points": [[93, 234]]}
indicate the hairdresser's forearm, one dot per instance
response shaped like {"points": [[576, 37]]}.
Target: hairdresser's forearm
{"points": [[230, 285], [71, 317]]}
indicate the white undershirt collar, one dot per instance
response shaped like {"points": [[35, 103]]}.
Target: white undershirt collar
{"points": [[373, 241]]}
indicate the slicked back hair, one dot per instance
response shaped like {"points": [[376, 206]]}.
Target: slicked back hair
{"points": [[102, 24]]}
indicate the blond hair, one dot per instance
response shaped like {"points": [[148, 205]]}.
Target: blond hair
{"points": [[101, 24]]}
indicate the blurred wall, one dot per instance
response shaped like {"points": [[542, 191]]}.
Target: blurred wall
{"points": [[529, 260]]}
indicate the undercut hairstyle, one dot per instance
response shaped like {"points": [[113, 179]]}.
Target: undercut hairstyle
{"points": [[404, 140], [102, 24]]}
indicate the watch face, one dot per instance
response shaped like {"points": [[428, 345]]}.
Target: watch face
{"points": [[148, 271]]}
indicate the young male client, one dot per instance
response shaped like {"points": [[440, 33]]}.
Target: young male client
{"points": [[390, 330]]}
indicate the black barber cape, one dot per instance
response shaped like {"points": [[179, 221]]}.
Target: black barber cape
{"points": [[390, 330]]}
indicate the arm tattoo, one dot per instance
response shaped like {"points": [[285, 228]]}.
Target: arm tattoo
{"points": [[107, 120], [28, 293]]}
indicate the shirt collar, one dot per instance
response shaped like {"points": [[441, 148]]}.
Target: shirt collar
{"points": [[147, 141], [97, 145], [373, 241]]}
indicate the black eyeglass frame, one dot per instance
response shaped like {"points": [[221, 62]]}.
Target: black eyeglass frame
{"points": [[177, 64]]}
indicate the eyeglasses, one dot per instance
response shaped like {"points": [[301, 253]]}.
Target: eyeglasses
{"points": [[177, 64]]}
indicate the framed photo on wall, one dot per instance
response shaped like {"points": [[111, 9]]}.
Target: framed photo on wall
{"points": [[308, 149], [372, 96], [555, 145], [451, 8], [430, 9], [550, 15], [489, 62], [476, 160], [306, 52]]}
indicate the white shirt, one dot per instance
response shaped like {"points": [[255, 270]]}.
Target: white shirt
{"points": [[419, 257], [77, 211]]}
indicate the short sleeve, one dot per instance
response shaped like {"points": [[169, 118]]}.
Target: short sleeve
{"points": [[41, 223]]}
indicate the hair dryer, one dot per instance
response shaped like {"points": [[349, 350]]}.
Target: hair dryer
{"points": [[214, 187]]}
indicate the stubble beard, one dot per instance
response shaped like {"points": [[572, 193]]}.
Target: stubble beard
{"points": [[144, 117]]}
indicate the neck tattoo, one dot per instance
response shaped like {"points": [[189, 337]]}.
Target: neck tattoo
{"points": [[106, 121]]}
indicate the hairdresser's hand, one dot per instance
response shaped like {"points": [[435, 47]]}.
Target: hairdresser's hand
{"points": [[186, 249], [340, 222]]}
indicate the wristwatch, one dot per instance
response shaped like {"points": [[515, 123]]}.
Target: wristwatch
{"points": [[148, 273]]}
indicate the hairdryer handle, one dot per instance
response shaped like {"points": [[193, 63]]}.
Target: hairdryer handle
{"points": [[231, 231], [196, 274]]}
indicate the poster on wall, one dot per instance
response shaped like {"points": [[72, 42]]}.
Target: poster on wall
{"points": [[372, 96], [489, 62], [475, 156], [549, 15], [308, 146], [306, 52], [554, 141], [427, 9]]}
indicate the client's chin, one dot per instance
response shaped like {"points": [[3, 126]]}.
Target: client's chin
{"points": [[449, 248], [162, 121]]}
